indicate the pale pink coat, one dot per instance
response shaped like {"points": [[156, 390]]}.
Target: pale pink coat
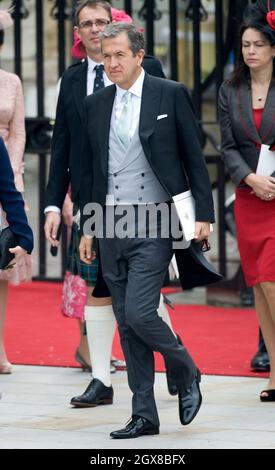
{"points": [[12, 123], [12, 129]]}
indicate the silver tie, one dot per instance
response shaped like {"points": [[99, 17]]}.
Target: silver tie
{"points": [[125, 120]]}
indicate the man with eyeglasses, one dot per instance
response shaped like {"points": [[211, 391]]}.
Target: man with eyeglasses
{"points": [[80, 80]]}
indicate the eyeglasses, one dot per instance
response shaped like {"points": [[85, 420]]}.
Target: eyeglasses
{"points": [[100, 23], [205, 246]]}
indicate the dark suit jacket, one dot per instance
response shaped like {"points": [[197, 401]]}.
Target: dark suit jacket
{"points": [[12, 202], [66, 141], [171, 146], [240, 138]]}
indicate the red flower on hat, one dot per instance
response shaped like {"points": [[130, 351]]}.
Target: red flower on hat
{"points": [[270, 18], [120, 16], [78, 50]]}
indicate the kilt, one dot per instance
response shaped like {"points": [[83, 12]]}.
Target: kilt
{"points": [[88, 272]]}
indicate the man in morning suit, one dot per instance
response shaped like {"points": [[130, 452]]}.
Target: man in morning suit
{"points": [[78, 81], [140, 146]]}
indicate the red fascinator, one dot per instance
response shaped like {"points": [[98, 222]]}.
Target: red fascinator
{"points": [[120, 16], [270, 17], [78, 50]]}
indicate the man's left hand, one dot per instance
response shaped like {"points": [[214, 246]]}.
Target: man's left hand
{"points": [[86, 253], [202, 231]]}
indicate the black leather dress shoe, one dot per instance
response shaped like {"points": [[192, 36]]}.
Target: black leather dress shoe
{"points": [[138, 426], [190, 401], [260, 362], [95, 394], [171, 385]]}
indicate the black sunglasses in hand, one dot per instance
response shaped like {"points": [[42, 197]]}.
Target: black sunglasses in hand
{"points": [[205, 245]]}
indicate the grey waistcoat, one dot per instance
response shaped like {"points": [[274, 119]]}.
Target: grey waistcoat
{"points": [[131, 179]]}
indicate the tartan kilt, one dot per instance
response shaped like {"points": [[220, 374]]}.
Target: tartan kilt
{"points": [[88, 272]]}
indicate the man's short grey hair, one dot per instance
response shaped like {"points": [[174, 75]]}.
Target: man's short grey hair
{"points": [[135, 37]]}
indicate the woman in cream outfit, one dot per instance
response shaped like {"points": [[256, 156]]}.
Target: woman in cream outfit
{"points": [[12, 130]]}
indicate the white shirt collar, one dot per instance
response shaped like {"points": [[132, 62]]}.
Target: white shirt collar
{"points": [[92, 64], [136, 88]]}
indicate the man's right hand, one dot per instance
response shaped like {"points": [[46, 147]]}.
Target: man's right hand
{"points": [[52, 223], [85, 250]]}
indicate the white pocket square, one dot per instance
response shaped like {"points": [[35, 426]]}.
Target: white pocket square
{"points": [[162, 116]]}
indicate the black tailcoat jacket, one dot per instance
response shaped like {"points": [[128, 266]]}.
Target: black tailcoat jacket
{"points": [[172, 148]]}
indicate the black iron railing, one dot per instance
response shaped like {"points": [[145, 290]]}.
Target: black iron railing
{"points": [[149, 11]]}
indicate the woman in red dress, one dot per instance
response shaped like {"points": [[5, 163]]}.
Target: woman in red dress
{"points": [[247, 120]]}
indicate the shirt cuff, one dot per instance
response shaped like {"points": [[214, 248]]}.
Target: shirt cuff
{"points": [[52, 209]]}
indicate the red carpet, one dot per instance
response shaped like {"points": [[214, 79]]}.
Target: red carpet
{"points": [[221, 340]]}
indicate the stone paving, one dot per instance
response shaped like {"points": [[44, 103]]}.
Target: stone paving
{"points": [[35, 414]]}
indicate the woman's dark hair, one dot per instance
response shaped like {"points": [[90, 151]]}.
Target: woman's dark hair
{"points": [[254, 18], [241, 71], [2, 35]]}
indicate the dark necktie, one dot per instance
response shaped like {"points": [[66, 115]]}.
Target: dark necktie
{"points": [[99, 82]]}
